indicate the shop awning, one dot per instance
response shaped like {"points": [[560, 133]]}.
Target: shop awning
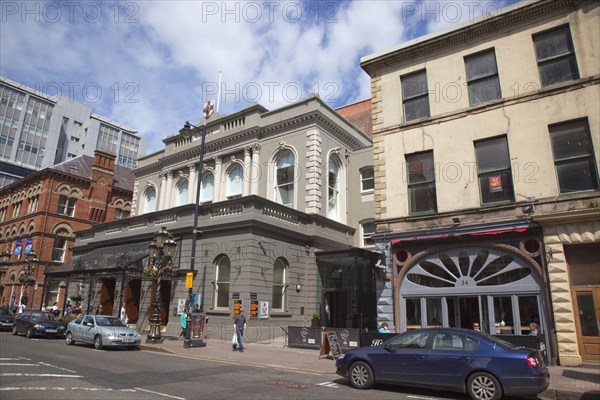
{"points": [[103, 259]]}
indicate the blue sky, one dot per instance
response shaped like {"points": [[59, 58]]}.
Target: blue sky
{"points": [[152, 64]]}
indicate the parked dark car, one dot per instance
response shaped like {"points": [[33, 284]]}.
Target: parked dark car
{"points": [[483, 366], [7, 319], [102, 331], [38, 323]]}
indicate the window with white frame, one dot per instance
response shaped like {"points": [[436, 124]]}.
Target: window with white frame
{"points": [[555, 56], [121, 213], [333, 190], [284, 178], [415, 97], [235, 181], [207, 188], [33, 202], [573, 152], [367, 179], [368, 230], [149, 200], [66, 205], [16, 209], [279, 279], [223, 272], [182, 193], [422, 194], [494, 170], [483, 82], [60, 245]]}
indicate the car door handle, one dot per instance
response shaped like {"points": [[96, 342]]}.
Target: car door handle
{"points": [[465, 358], [418, 357]]}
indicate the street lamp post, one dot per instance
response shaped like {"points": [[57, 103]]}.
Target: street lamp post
{"points": [[187, 128], [160, 265], [31, 260]]}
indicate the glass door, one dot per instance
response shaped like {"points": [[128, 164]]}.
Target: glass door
{"points": [[587, 316]]}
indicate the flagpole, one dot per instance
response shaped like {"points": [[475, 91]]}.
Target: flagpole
{"points": [[219, 92]]}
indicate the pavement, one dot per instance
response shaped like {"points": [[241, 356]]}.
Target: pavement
{"points": [[566, 383]]}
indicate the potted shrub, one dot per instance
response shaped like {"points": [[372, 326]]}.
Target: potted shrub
{"points": [[316, 319]]}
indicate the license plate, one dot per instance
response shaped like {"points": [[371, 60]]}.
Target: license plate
{"points": [[51, 331], [127, 340]]}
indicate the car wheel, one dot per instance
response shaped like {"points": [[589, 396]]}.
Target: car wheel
{"points": [[15, 331], [29, 333], [361, 375], [484, 386], [69, 338], [98, 342]]}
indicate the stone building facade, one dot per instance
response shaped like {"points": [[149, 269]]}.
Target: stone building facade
{"points": [[284, 221], [486, 151]]}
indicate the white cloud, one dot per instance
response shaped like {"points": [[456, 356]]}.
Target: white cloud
{"points": [[156, 61]]}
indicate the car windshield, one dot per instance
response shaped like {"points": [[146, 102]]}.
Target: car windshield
{"points": [[108, 321], [42, 317], [4, 311], [498, 341]]}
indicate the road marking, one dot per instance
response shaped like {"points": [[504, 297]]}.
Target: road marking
{"points": [[57, 367], [58, 388], [329, 384], [19, 364], [41, 375], [160, 394], [420, 397]]}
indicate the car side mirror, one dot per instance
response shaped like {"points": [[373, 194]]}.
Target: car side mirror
{"points": [[387, 347]]}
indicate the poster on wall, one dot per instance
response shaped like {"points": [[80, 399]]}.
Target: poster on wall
{"points": [[264, 310], [253, 308], [237, 306], [180, 306], [195, 301]]}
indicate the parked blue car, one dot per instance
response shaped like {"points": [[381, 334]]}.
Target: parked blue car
{"points": [[37, 323], [483, 366]]}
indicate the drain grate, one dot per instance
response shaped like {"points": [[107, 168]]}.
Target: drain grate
{"points": [[288, 384]]}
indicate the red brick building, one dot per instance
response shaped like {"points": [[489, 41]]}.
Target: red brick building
{"points": [[40, 214]]}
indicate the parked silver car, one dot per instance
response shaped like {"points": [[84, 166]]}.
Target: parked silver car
{"points": [[102, 331]]}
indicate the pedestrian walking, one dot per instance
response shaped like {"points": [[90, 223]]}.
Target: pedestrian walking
{"points": [[55, 310], [239, 324], [124, 318], [183, 322]]}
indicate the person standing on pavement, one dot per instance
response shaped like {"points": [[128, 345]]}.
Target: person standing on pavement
{"points": [[239, 324], [183, 322]]}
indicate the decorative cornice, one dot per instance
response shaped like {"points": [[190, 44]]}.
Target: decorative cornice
{"points": [[492, 24]]}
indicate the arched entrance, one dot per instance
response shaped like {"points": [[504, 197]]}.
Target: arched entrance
{"points": [[493, 285]]}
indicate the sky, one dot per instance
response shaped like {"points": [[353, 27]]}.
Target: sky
{"points": [[151, 65]]}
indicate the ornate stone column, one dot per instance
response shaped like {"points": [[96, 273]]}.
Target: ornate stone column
{"points": [[255, 171], [247, 172], [218, 178], [193, 183]]}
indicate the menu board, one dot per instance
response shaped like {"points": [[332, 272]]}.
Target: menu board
{"points": [[253, 308], [330, 343], [237, 306]]}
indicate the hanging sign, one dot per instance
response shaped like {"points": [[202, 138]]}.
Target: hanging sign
{"points": [[189, 280]]}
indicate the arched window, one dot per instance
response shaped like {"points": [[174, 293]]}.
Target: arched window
{"points": [[182, 193], [333, 190], [60, 245], [235, 180], [284, 178], [207, 188], [222, 273], [279, 278], [149, 200]]}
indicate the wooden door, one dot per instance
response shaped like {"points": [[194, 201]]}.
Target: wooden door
{"points": [[587, 320]]}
